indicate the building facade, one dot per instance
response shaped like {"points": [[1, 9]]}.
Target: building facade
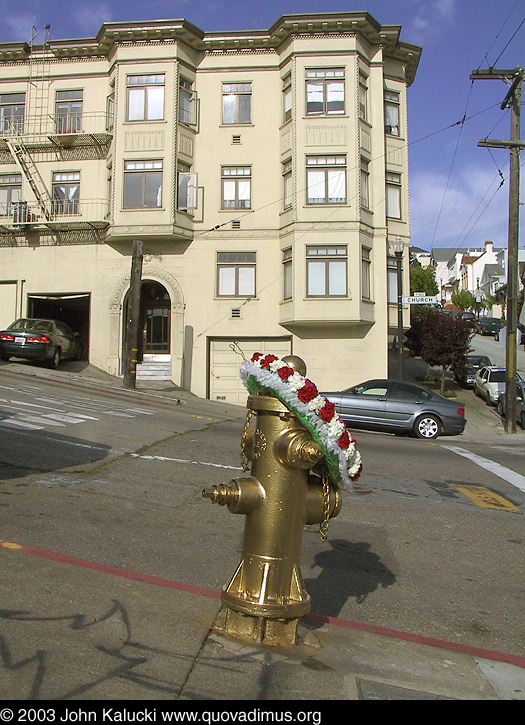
{"points": [[265, 172]]}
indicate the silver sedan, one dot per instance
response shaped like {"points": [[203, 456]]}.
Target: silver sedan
{"points": [[395, 406]]}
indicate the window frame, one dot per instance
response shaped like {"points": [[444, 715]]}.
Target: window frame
{"points": [[314, 163], [189, 111], [11, 106], [236, 262], [287, 185], [71, 122], [391, 101], [10, 183], [328, 255], [287, 97], [323, 78], [287, 274], [365, 183], [363, 97], [366, 273], [237, 90], [69, 181], [147, 87], [393, 184], [156, 168], [236, 178]]}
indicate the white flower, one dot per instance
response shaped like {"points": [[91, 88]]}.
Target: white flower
{"points": [[317, 403], [296, 381]]}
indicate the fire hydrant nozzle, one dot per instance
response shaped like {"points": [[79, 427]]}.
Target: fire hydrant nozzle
{"points": [[240, 495]]}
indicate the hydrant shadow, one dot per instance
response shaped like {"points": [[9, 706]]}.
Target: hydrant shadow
{"points": [[347, 570]]}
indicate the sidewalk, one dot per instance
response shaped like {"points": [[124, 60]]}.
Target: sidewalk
{"points": [[80, 630]]}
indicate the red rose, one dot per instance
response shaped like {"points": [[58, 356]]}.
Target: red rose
{"points": [[265, 362], [344, 441], [284, 373], [327, 412], [308, 392], [256, 356]]}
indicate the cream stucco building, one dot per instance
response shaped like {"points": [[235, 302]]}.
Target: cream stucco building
{"points": [[265, 172]]}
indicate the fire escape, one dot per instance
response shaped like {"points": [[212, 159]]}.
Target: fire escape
{"points": [[41, 136]]}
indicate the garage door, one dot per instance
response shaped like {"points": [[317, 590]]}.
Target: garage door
{"points": [[225, 383]]}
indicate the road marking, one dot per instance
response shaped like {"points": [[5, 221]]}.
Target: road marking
{"points": [[15, 549], [485, 498], [183, 460], [515, 479]]}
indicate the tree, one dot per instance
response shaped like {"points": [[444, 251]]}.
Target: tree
{"points": [[464, 299], [423, 279], [439, 340]]}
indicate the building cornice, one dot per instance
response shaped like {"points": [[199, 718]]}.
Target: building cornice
{"points": [[284, 30]]}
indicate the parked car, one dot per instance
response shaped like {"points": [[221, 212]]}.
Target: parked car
{"points": [[35, 339], [489, 383], [488, 325], [464, 374], [520, 333], [396, 406], [469, 317], [520, 403]]}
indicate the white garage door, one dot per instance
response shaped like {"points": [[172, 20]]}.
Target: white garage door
{"points": [[225, 383]]}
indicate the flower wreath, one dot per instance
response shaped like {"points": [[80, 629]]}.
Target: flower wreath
{"points": [[317, 414]]}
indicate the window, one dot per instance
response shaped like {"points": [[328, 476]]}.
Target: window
{"points": [[186, 187], [326, 271], [10, 192], [110, 111], [287, 185], [365, 273], [236, 187], [392, 281], [236, 103], [326, 179], [392, 113], [68, 111], [236, 274], [363, 97], [12, 111], [287, 97], [325, 91], [146, 98], [393, 195], [142, 184], [187, 103], [287, 273], [66, 192], [365, 201]]}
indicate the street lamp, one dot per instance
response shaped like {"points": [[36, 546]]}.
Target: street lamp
{"points": [[398, 250]]}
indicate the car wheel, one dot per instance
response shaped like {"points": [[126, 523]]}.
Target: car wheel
{"points": [[78, 356], [4, 357], [427, 426], [55, 359], [522, 420], [500, 408]]}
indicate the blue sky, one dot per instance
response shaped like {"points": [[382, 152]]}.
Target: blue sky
{"points": [[456, 197]]}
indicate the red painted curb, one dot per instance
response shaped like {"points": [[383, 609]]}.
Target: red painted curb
{"points": [[335, 621]]}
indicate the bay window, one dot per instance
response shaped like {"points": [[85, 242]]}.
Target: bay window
{"points": [[326, 179], [326, 271]]}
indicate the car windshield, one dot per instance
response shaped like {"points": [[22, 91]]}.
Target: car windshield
{"points": [[29, 324]]}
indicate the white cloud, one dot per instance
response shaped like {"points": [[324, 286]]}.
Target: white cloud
{"points": [[431, 20]]}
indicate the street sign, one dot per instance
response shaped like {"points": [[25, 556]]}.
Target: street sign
{"points": [[420, 299]]}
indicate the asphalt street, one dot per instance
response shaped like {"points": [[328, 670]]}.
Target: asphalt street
{"points": [[113, 563]]}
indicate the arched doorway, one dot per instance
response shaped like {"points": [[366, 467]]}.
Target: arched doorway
{"points": [[155, 319]]}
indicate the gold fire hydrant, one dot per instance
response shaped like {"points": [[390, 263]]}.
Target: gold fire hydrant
{"points": [[266, 596]]}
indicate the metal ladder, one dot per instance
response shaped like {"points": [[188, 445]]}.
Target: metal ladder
{"points": [[28, 167]]}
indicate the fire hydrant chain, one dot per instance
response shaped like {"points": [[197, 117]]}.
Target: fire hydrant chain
{"points": [[323, 528], [244, 458]]}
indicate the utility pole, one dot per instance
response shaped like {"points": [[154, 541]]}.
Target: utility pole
{"points": [[133, 314], [513, 101]]}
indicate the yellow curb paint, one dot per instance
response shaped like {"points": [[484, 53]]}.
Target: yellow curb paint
{"points": [[484, 498], [9, 545]]}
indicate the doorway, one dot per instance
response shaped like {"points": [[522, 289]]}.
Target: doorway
{"points": [[155, 319]]}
